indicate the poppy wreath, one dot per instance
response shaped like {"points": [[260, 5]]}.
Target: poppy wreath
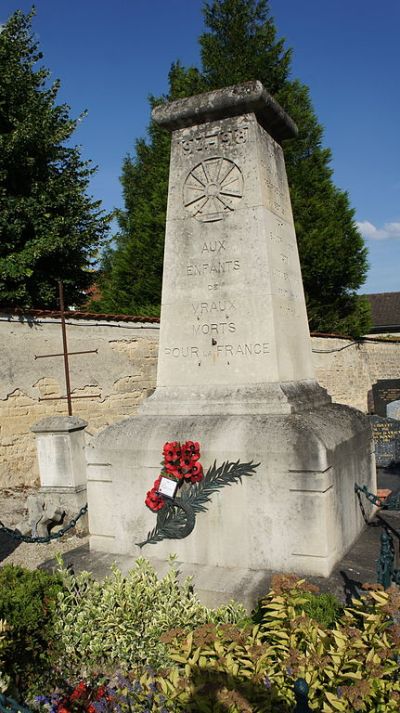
{"points": [[176, 518], [180, 463]]}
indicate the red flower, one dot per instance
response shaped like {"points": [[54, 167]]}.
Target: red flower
{"points": [[186, 466], [153, 501], [174, 470], [172, 451], [79, 691], [196, 473], [100, 692], [62, 709], [179, 462], [191, 449], [91, 709]]}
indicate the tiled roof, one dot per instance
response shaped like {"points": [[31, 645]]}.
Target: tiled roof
{"points": [[385, 308]]}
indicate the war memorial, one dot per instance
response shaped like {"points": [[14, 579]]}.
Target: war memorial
{"points": [[235, 377]]}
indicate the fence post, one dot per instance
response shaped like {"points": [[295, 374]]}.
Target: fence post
{"points": [[384, 569]]}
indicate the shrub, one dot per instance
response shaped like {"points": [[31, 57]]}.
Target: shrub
{"points": [[4, 643], [26, 602], [118, 622], [351, 667], [323, 608]]}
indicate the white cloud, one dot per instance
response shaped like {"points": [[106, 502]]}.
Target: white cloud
{"points": [[369, 230]]}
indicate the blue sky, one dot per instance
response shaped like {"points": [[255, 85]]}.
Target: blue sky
{"points": [[110, 56]]}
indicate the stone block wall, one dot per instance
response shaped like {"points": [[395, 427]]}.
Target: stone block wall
{"points": [[123, 372], [114, 380], [348, 369]]}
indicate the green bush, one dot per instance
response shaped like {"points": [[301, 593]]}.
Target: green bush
{"points": [[118, 622], [352, 666], [4, 643], [323, 608], [27, 600]]}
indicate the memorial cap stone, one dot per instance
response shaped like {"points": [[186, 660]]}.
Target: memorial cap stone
{"points": [[223, 103]]}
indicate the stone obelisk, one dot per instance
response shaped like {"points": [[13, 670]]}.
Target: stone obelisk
{"points": [[235, 369]]}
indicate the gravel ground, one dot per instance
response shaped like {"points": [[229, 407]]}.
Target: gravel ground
{"points": [[12, 511]]}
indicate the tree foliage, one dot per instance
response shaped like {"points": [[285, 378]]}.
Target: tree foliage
{"points": [[49, 227], [240, 43], [132, 272]]}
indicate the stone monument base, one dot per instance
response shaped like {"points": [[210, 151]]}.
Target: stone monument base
{"points": [[297, 513]]}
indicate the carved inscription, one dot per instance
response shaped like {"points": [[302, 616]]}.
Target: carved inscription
{"points": [[213, 246], [280, 274], [244, 349], [206, 142], [215, 328], [213, 189], [200, 308], [210, 268], [274, 179], [228, 350], [385, 391]]}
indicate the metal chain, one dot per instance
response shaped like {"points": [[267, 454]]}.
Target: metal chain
{"points": [[360, 490], [16, 535], [392, 503], [386, 573]]}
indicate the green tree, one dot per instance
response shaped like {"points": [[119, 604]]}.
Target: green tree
{"points": [[240, 44], [50, 229], [131, 272]]}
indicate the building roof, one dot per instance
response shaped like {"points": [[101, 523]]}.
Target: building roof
{"points": [[385, 308]]}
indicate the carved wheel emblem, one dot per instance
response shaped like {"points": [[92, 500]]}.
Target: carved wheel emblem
{"points": [[213, 189]]}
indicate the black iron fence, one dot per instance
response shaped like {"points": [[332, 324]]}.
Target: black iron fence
{"points": [[386, 571]]}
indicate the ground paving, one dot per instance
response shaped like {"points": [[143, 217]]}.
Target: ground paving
{"points": [[355, 569]]}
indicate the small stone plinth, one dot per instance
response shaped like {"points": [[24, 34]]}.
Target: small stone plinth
{"points": [[61, 452], [60, 443]]}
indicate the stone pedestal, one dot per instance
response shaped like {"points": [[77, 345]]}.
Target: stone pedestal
{"points": [[235, 370], [60, 443]]}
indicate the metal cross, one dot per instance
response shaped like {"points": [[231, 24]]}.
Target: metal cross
{"points": [[65, 353]]}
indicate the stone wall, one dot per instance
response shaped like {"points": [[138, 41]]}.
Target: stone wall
{"points": [[348, 369], [123, 372], [114, 380]]}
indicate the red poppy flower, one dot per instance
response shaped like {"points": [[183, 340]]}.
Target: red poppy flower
{"points": [[196, 473], [191, 449], [153, 501], [91, 709], [155, 506], [186, 465], [172, 451], [174, 470]]}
